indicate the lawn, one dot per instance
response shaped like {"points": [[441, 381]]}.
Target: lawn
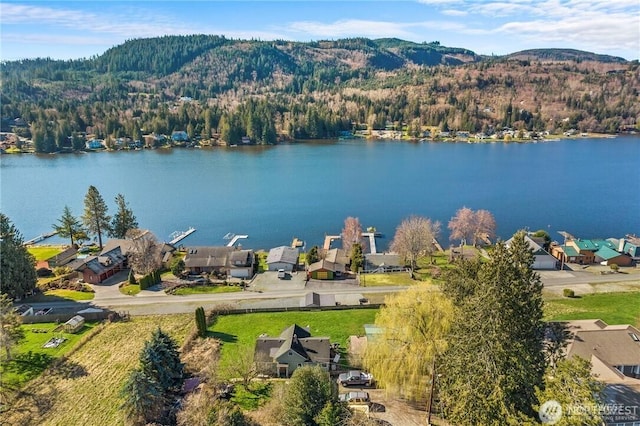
{"points": [[44, 252], [130, 289], [30, 358], [612, 308], [85, 390], [386, 279], [60, 295], [262, 261], [206, 289], [238, 333]]}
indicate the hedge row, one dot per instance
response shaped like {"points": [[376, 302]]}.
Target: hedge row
{"points": [[150, 280]]}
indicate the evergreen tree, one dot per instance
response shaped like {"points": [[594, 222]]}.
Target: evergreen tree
{"points": [[124, 219], [160, 360], [357, 257], [312, 255], [69, 226], [18, 276], [95, 216], [308, 392], [495, 356], [143, 398], [11, 332]]}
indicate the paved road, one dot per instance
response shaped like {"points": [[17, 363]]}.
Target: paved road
{"points": [[155, 301]]}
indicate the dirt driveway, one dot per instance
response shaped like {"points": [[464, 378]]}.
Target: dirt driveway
{"points": [[393, 410]]}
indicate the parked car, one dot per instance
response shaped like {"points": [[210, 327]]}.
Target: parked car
{"points": [[282, 274], [355, 378], [355, 398]]}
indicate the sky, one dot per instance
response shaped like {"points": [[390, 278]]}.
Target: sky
{"points": [[82, 29]]}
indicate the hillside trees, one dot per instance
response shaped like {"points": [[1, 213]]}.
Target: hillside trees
{"points": [[415, 237], [95, 217], [495, 356], [69, 226], [18, 277]]}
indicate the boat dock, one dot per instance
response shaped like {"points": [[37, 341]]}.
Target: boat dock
{"points": [[296, 243], [372, 241], [234, 239], [39, 238], [328, 240], [179, 236]]}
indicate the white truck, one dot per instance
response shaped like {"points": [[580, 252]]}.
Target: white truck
{"points": [[355, 378]]}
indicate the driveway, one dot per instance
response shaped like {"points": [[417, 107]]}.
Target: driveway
{"points": [[269, 281]]}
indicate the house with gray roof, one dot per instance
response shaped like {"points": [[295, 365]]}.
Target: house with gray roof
{"points": [[64, 257], [293, 348], [223, 260], [96, 269], [541, 258], [282, 257]]}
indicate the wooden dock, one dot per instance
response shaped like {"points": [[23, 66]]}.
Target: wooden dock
{"points": [[328, 240], [179, 236], [372, 241]]}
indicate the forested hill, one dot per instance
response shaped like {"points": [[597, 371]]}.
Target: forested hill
{"points": [[209, 85]]}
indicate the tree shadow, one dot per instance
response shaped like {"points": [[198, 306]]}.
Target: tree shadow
{"points": [[224, 337], [69, 370], [375, 407], [29, 365]]}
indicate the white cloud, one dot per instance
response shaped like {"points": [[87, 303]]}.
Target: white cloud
{"points": [[351, 27], [453, 12]]}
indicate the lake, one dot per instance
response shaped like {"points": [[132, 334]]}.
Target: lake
{"points": [[587, 187]]}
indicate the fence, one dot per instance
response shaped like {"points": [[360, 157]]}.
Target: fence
{"points": [[224, 311], [64, 317]]}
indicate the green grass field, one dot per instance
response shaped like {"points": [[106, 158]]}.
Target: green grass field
{"points": [[44, 252], [612, 308], [60, 295], [130, 289], [386, 279], [30, 358], [238, 333], [206, 289]]}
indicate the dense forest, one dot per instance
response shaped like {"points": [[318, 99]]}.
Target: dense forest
{"points": [[215, 87]]}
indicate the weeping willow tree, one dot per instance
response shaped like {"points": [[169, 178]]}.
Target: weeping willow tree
{"points": [[414, 325]]}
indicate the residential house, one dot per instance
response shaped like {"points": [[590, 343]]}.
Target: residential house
{"points": [[322, 270], [382, 262], [614, 350], [60, 259], [94, 144], [293, 348], [282, 257], [630, 245], [541, 258], [96, 269], [614, 353], [586, 252], [222, 260]]}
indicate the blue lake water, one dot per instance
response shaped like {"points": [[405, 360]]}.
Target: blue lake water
{"points": [[588, 187]]}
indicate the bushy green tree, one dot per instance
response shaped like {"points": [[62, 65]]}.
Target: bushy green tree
{"points": [[17, 265], [201, 322], [160, 360], [357, 257], [143, 399], [69, 226], [177, 267], [124, 219], [312, 255], [307, 393], [495, 355], [572, 385], [95, 216], [11, 332]]}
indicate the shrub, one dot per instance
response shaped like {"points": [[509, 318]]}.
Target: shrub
{"points": [[44, 272], [132, 278], [614, 267], [567, 292], [201, 322], [62, 270]]}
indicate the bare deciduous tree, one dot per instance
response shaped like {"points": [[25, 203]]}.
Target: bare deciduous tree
{"points": [[415, 237], [351, 233], [146, 252], [462, 225], [485, 226]]}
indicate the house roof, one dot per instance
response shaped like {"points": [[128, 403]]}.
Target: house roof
{"points": [[103, 263], [315, 299], [606, 253], [283, 254], [585, 245], [570, 251], [241, 257], [337, 255], [75, 321], [533, 245], [323, 264], [64, 254], [612, 345], [297, 339], [207, 256]]}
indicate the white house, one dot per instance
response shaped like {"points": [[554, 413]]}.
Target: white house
{"points": [[542, 259], [282, 257]]}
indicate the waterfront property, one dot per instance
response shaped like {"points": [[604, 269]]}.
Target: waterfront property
{"points": [[220, 260], [96, 269], [282, 257], [293, 348], [541, 258], [587, 252]]}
